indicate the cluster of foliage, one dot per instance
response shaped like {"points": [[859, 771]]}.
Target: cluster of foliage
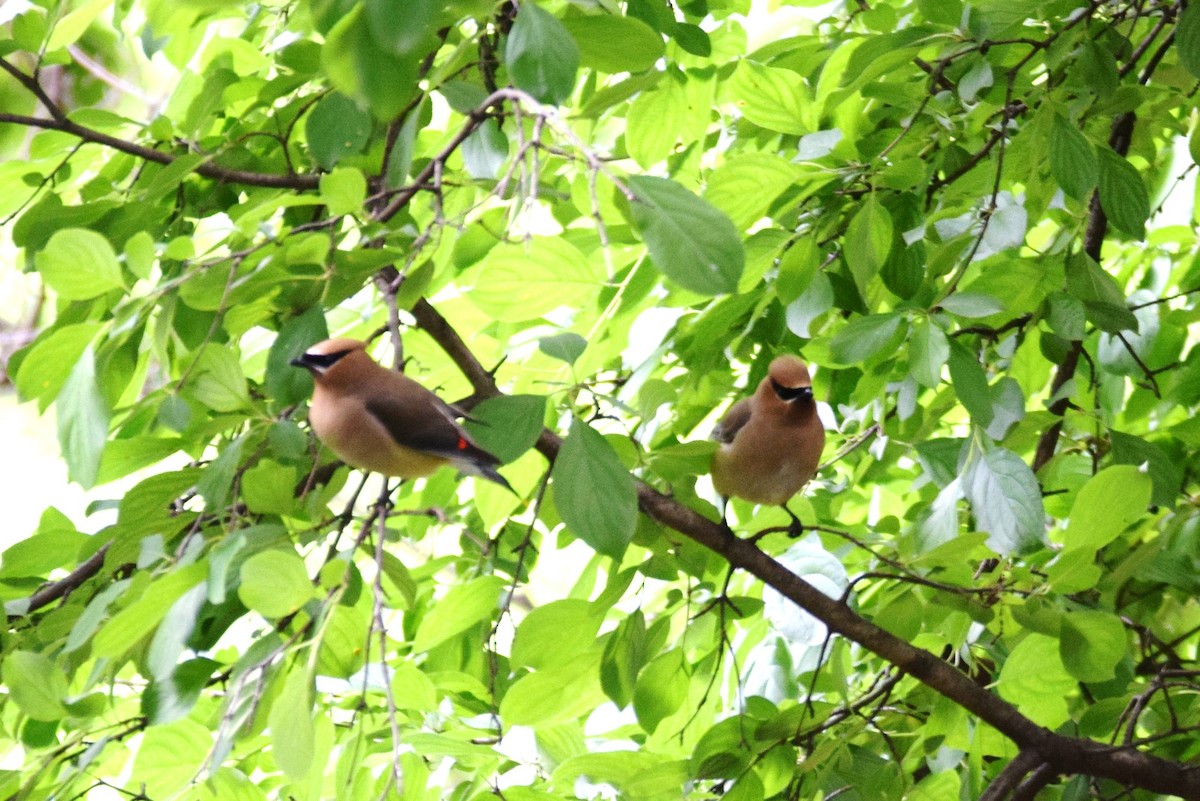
{"points": [[958, 212]]}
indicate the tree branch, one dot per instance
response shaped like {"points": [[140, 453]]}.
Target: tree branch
{"points": [[49, 593], [208, 169], [1093, 241], [59, 121], [1009, 779]]}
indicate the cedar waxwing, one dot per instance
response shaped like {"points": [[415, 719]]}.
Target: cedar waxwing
{"points": [[380, 420], [771, 442]]}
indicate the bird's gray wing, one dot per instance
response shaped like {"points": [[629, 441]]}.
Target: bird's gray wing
{"points": [[439, 435], [737, 416]]}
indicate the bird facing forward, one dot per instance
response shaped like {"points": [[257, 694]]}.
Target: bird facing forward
{"points": [[380, 420], [771, 442]]}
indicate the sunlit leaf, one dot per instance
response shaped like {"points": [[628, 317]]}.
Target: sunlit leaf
{"points": [[541, 55], [463, 606], [1006, 499], [691, 242], [593, 492], [274, 583], [291, 722], [79, 264]]}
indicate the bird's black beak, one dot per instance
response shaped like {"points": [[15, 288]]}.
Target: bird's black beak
{"points": [[299, 361]]}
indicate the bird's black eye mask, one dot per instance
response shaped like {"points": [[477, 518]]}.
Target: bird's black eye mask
{"points": [[319, 361], [791, 393]]}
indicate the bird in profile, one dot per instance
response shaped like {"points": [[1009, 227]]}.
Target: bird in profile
{"points": [[383, 421], [770, 443]]}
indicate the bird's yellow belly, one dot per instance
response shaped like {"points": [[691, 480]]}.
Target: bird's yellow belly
{"points": [[361, 441], [742, 475]]}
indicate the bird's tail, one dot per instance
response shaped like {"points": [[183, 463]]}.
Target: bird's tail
{"points": [[473, 467], [491, 474]]}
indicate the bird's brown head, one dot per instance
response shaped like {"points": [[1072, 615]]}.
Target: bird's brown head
{"points": [[789, 379], [321, 357]]}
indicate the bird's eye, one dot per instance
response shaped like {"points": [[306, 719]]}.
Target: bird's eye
{"points": [[790, 393]]}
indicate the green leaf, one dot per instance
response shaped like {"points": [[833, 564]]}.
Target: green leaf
{"points": [[1123, 194], [971, 305], [79, 264], [217, 479], [864, 338], [553, 696], [1034, 679], [541, 56], [172, 636], [665, 115], [336, 128], [593, 492], [1187, 39], [1091, 644], [291, 722], [771, 97], [403, 28], [746, 186], [172, 175], [1102, 299], [1072, 159], [508, 425], [73, 25], [1166, 472], [286, 384], [35, 683], [124, 456], [692, 38], [148, 507], [173, 698], [798, 267], [566, 347], [555, 634], [129, 626], [274, 583], [928, 352], [661, 689], [1106, 505], [82, 421], [526, 280], [54, 545], [868, 242], [485, 150], [270, 488], [413, 689], [816, 299], [1068, 316], [1074, 571], [169, 757], [343, 644], [624, 656], [1008, 407], [978, 78], [1006, 499], [358, 67], [44, 370], [613, 44], [464, 606], [343, 191], [690, 241], [970, 384], [217, 380]]}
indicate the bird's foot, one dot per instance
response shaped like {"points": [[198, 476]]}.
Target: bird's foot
{"points": [[795, 529]]}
